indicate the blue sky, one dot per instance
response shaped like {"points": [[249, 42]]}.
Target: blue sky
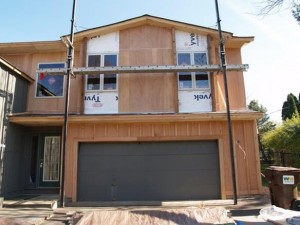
{"points": [[273, 57]]}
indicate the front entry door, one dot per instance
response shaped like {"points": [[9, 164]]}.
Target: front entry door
{"points": [[49, 161]]}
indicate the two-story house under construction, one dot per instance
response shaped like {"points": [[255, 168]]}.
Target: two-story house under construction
{"points": [[135, 136]]}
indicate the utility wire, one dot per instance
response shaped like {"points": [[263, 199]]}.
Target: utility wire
{"points": [[281, 109], [80, 27]]}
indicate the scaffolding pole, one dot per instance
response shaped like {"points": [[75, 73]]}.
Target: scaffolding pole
{"points": [[224, 69], [66, 113], [144, 69]]}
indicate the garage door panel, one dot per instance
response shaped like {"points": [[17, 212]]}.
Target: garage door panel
{"points": [[131, 163], [150, 171], [158, 162]]}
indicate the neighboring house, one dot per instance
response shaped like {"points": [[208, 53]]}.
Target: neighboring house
{"points": [[136, 137], [13, 100]]}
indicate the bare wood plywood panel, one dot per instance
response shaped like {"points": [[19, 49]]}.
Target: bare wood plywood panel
{"points": [[146, 93], [100, 131], [247, 177], [146, 36], [146, 45], [257, 157], [44, 105], [170, 130], [241, 153], [21, 61], [252, 143], [158, 130], [205, 128], [29, 63], [193, 129], [135, 130], [235, 80], [227, 161], [212, 60], [112, 130], [123, 130], [217, 128], [182, 129]]}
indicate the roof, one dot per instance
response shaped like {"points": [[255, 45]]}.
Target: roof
{"points": [[15, 70], [162, 22], [58, 45], [146, 19], [32, 47]]}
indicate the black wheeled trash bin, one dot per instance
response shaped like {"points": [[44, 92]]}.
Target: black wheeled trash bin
{"points": [[283, 185]]}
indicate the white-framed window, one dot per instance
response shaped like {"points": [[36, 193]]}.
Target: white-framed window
{"points": [[50, 85], [102, 82], [192, 80]]}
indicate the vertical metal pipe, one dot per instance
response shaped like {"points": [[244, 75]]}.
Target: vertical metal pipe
{"points": [[223, 64], [66, 114]]}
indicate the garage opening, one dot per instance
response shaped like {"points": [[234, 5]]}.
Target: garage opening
{"points": [[148, 171]]}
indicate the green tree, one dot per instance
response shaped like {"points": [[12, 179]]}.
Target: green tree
{"points": [[267, 6], [285, 138], [290, 107], [298, 106], [263, 124]]}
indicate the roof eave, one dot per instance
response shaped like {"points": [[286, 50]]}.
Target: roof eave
{"points": [[32, 47], [145, 19], [238, 42], [16, 70]]}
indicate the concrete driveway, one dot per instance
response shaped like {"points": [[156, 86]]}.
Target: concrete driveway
{"points": [[245, 212]]}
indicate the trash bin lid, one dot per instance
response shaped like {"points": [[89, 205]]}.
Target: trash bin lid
{"points": [[281, 168]]}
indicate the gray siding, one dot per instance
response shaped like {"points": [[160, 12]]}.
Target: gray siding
{"points": [[13, 99], [20, 96], [12, 161]]}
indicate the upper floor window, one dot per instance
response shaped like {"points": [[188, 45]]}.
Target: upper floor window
{"points": [[50, 85], [102, 82], [192, 80]]}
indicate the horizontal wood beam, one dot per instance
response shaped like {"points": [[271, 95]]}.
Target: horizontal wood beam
{"points": [[35, 120], [144, 69]]}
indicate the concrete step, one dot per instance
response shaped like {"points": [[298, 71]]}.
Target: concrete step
{"points": [[64, 216], [31, 201]]}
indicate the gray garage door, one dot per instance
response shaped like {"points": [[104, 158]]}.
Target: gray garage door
{"points": [[148, 171]]}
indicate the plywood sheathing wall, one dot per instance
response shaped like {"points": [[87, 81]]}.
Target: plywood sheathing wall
{"points": [[212, 59], [248, 177], [28, 63], [235, 81], [147, 45]]}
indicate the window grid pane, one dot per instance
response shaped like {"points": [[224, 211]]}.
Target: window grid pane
{"points": [[110, 80], [110, 60], [184, 59], [200, 59], [185, 80], [102, 81], [93, 82], [51, 158], [193, 80], [94, 60], [50, 85], [202, 80]]}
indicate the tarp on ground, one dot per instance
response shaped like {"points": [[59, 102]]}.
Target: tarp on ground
{"points": [[186, 216]]}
